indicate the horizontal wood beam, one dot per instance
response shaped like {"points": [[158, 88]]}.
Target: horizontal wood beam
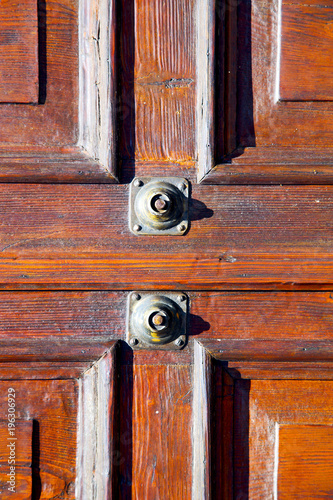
{"points": [[77, 236]]}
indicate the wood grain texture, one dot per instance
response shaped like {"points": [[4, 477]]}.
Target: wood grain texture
{"points": [[157, 82], [71, 315], [274, 316], [99, 318], [69, 135], [202, 433], [205, 76], [85, 415], [264, 165], [254, 460], [55, 121], [78, 236], [97, 99], [306, 58], [155, 459], [305, 467], [276, 403], [51, 405], [18, 461], [96, 429], [19, 51], [271, 350], [260, 138], [56, 165]]}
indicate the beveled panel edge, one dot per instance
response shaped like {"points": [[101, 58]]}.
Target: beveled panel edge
{"points": [[97, 81], [205, 86], [270, 350], [93, 158], [267, 166], [201, 431], [96, 436]]}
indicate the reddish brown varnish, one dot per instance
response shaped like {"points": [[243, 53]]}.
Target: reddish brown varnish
{"points": [[180, 88], [19, 80]]}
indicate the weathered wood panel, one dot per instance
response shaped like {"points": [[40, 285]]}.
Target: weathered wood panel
{"points": [[55, 121], [157, 78], [272, 432], [52, 406], [19, 51], [306, 51], [78, 236], [305, 468], [155, 458], [272, 125], [15, 456]]}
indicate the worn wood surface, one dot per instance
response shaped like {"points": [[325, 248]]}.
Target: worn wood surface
{"points": [[305, 468], [15, 456], [155, 459], [19, 51], [81, 409], [271, 404], [264, 165], [152, 394], [97, 432], [78, 236], [69, 135], [52, 406], [306, 51], [262, 135], [202, 419], [157, 82], [157, 424], [273, 432], [97, 82], [55, 121], [98, 317]]}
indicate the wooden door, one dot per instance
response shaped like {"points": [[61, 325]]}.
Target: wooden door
{"points": [[234, 97]]}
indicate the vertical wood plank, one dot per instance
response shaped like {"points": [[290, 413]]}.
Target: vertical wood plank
{"points": [[96, 430], [162, 432], [155, 447], [97, 80], [19, 51], [201, 424], [205, 42], [157, 85]]}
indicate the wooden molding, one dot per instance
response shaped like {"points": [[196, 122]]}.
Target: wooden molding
{"points": [[68, 137], [246, 134], [90, 360], [97, 81], [270, 350], [201, 433], [205, 38], [96, 420]]}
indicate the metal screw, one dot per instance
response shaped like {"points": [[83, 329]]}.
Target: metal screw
{"points": [[181, 228], [133, 341], [181, 298], [136, 296], [137, 227], [158, 319], [160, 204], [137, 182], [179, 342]]}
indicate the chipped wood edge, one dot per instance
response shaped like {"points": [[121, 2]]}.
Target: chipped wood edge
{"points": [[201, 424], [97, 81], [96, 420], [205, 37]]}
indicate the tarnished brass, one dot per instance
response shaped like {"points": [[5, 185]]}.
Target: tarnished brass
{"points": [[156, 321], [159, 206]]}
